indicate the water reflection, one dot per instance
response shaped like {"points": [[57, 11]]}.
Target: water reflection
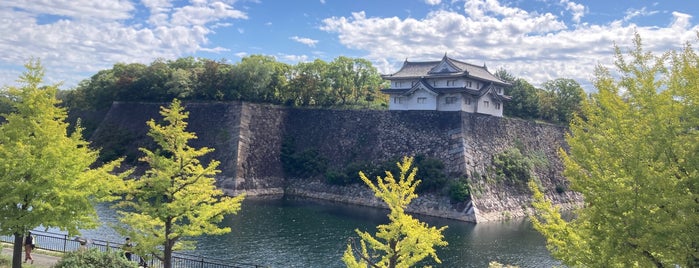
{"points": [[304, 233]]}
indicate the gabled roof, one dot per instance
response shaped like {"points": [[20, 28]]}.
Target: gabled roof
{"points": [[490, 90], [447, 67], [422, 83]]}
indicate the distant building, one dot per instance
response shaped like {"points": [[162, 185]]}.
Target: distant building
{"points": [[446, 85]]}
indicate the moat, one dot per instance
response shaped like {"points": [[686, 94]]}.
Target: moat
{"points": [[309, 233]]}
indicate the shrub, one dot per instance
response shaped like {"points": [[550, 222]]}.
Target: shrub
{"points": [[350, 173], [337, 178], [307, 163], [431, 172], [94, 258], [512, 166], [459, 191], [560, 188]]}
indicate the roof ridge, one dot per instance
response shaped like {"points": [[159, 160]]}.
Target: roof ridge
{"points": [[467, 63]]}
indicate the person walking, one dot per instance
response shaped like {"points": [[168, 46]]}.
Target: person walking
{"points": [[128, 249], [28, 247], [128, 253]]}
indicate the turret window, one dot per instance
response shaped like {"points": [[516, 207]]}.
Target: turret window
{"points": [[398, 100]]}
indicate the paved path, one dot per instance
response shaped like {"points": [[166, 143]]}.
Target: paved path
{"points": [[40, 260]]}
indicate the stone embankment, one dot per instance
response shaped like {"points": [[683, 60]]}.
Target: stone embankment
{"points": [[247, 139]]}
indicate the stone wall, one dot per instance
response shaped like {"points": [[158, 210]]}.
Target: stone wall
{"points": [[248, 137], [344, 136], [486, 136], [216, 124], [259, 170]]}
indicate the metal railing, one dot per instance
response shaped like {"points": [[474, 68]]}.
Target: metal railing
{"points": [[63, 243]]}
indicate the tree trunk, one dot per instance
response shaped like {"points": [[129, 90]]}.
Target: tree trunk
{"points": [[167, 251], [17, 251], [393, 260], [167, 256]]}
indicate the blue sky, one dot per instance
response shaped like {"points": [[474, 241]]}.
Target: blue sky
{"points": [[538, 40]]}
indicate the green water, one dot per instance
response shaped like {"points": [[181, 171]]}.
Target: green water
{"points": [[304, 233]]}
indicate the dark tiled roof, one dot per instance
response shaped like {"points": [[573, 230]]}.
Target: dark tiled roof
{"points": [[439, 90], [422, 69], [486, 89]]}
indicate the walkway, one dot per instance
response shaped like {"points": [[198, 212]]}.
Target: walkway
{"points": [[40, 260]]}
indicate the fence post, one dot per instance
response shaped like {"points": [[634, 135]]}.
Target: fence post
{"points": [[65, 242]]}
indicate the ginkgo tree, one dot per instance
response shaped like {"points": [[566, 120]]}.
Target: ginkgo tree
{"points": [[177, 197], [48, 176], [404, 241], [633, 156]]}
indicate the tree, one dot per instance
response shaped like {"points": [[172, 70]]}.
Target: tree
{"points": [[402, 242], [566, 96], [176, 198], [525, 101], [180, 84], [309, 85], [212, 81], [367, 80], [504, 75], [341, 73], [633, 156], [259, 78], [525, 97], [46, 174]]}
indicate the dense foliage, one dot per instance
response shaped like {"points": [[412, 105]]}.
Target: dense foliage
{"points": [[402, 242], [512, 166], [431, 172], [94, 258], [176, 199], [48, 177], [303, 164], [556, 102], [633, 156], [342, 82], [460, 190]]}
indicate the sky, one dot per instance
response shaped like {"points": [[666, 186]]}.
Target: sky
{"points": [[538, 40]]}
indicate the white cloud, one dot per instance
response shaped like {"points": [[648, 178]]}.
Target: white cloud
{"points": [[74, 38], [306, 41], [535, 46], [83, 9], [433, 2], [577, 10], [631, 13]]}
